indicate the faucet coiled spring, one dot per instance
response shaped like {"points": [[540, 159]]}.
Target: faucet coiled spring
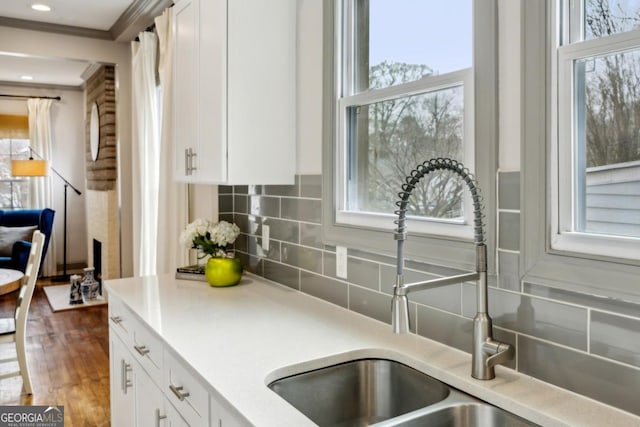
{"points": [[433, 165]]}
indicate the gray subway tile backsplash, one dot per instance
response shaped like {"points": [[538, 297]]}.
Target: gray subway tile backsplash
{"points": [[225, 203], [508, 271], [308, 210], [445, 298], [584, 343], [264, 206], [311, 235], [509, 230], [363, 273], [613, 305], [281, 273], [509, 190], [557, 322], [615, 337], [302, 257], [311, 186], [240, 204], [283, 190], [598, 378], [323, 287], [370, 303], [288, 231]]}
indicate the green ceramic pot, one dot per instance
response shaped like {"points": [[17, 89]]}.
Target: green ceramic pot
{"points": [[223, 271]]}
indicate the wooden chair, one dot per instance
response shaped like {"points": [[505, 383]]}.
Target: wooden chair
{"points": [[14, 329]]}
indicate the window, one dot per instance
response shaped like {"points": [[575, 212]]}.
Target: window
{"points": [[542, 260], [14, 192], [596, 147], [401, 79], [403, 100]]}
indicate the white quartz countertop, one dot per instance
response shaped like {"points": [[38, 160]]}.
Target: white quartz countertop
{"points": [[241, 338]]}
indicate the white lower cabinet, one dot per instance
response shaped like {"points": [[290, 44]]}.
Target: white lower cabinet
{"points": [[153, 409], [221, 416], [122, 382], [151, 386]]}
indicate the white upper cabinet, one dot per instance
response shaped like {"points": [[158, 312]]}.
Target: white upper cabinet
{"points": [[234, 91]]}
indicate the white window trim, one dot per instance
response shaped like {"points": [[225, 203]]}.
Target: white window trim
{"points": [[539, 264], [462, 229], [563, 236], [438, 250]]}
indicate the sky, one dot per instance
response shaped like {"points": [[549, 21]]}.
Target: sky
{"points": [[435, 33]]}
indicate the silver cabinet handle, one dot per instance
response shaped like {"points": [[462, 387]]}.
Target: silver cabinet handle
{"points": [[178, 392], [159, 417], [188, 161], [116, 319], [141, 349], [125, 368], [191, 166]]}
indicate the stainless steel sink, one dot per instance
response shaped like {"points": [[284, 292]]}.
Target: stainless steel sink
{"points": [[465, 415], [385, 393], [360, 392]]}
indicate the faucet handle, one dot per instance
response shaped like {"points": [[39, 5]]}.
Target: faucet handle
{"points": [[499, 352]]}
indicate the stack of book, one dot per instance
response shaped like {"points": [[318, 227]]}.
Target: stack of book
{"points": [[191, 272]]}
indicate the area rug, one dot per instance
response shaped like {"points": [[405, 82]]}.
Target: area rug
{"points": [[58, 297]]}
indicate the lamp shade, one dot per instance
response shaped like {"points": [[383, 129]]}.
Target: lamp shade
{"points": [[29, 167]]}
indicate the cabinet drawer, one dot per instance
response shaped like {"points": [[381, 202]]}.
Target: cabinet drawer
{"points": [[148, 350], [185, 391], [121, 320]]}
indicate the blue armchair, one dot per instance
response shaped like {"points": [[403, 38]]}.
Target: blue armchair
{"points": [[42, 219]]}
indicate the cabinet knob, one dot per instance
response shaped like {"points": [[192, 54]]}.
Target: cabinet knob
{"points": [[116, 319], [178, 392]]}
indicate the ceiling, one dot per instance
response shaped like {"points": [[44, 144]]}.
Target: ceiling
{"points": [[117, 20]]}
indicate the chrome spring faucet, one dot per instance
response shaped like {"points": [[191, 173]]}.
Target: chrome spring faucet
{"points": [[486, 352]]}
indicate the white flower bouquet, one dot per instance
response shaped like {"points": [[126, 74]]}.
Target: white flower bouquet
{"points": [[210, 237]]}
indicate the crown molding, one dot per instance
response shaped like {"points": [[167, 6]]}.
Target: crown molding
{"points": [[54, 28], [41, 85], [138, 16]]}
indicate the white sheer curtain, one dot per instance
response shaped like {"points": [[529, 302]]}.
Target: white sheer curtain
{"points": [[173, 202], [40, 193], [145, 153]]}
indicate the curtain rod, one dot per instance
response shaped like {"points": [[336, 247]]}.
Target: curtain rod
{"points": [[56, 98]]}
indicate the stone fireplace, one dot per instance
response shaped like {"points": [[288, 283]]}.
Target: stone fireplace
{"points": [[102, 201]]}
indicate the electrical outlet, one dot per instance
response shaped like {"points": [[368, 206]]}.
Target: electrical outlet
{"points": [[265, 237], [341, 262]]}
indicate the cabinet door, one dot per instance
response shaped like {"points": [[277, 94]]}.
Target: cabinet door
{"points": [[122, 383], [223, 417], [173, 417], [149, 402], [185, 89]]}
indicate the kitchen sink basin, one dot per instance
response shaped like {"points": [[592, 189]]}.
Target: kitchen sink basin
{"points": [[385, 393], [466, 415], [360, 392]]}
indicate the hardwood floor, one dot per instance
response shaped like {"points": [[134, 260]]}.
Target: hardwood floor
{"points": [[68, 356]]}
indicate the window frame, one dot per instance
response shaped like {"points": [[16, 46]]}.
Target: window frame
{"points": [[540, 263], [448, 250], [16, 180], [564, 237]]}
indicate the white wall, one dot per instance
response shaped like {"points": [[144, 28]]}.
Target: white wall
{"points": [[101, 51], [67, 131]]}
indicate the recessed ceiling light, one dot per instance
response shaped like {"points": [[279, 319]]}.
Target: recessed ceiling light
{"points": [[41, 7], [26, 77]]}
